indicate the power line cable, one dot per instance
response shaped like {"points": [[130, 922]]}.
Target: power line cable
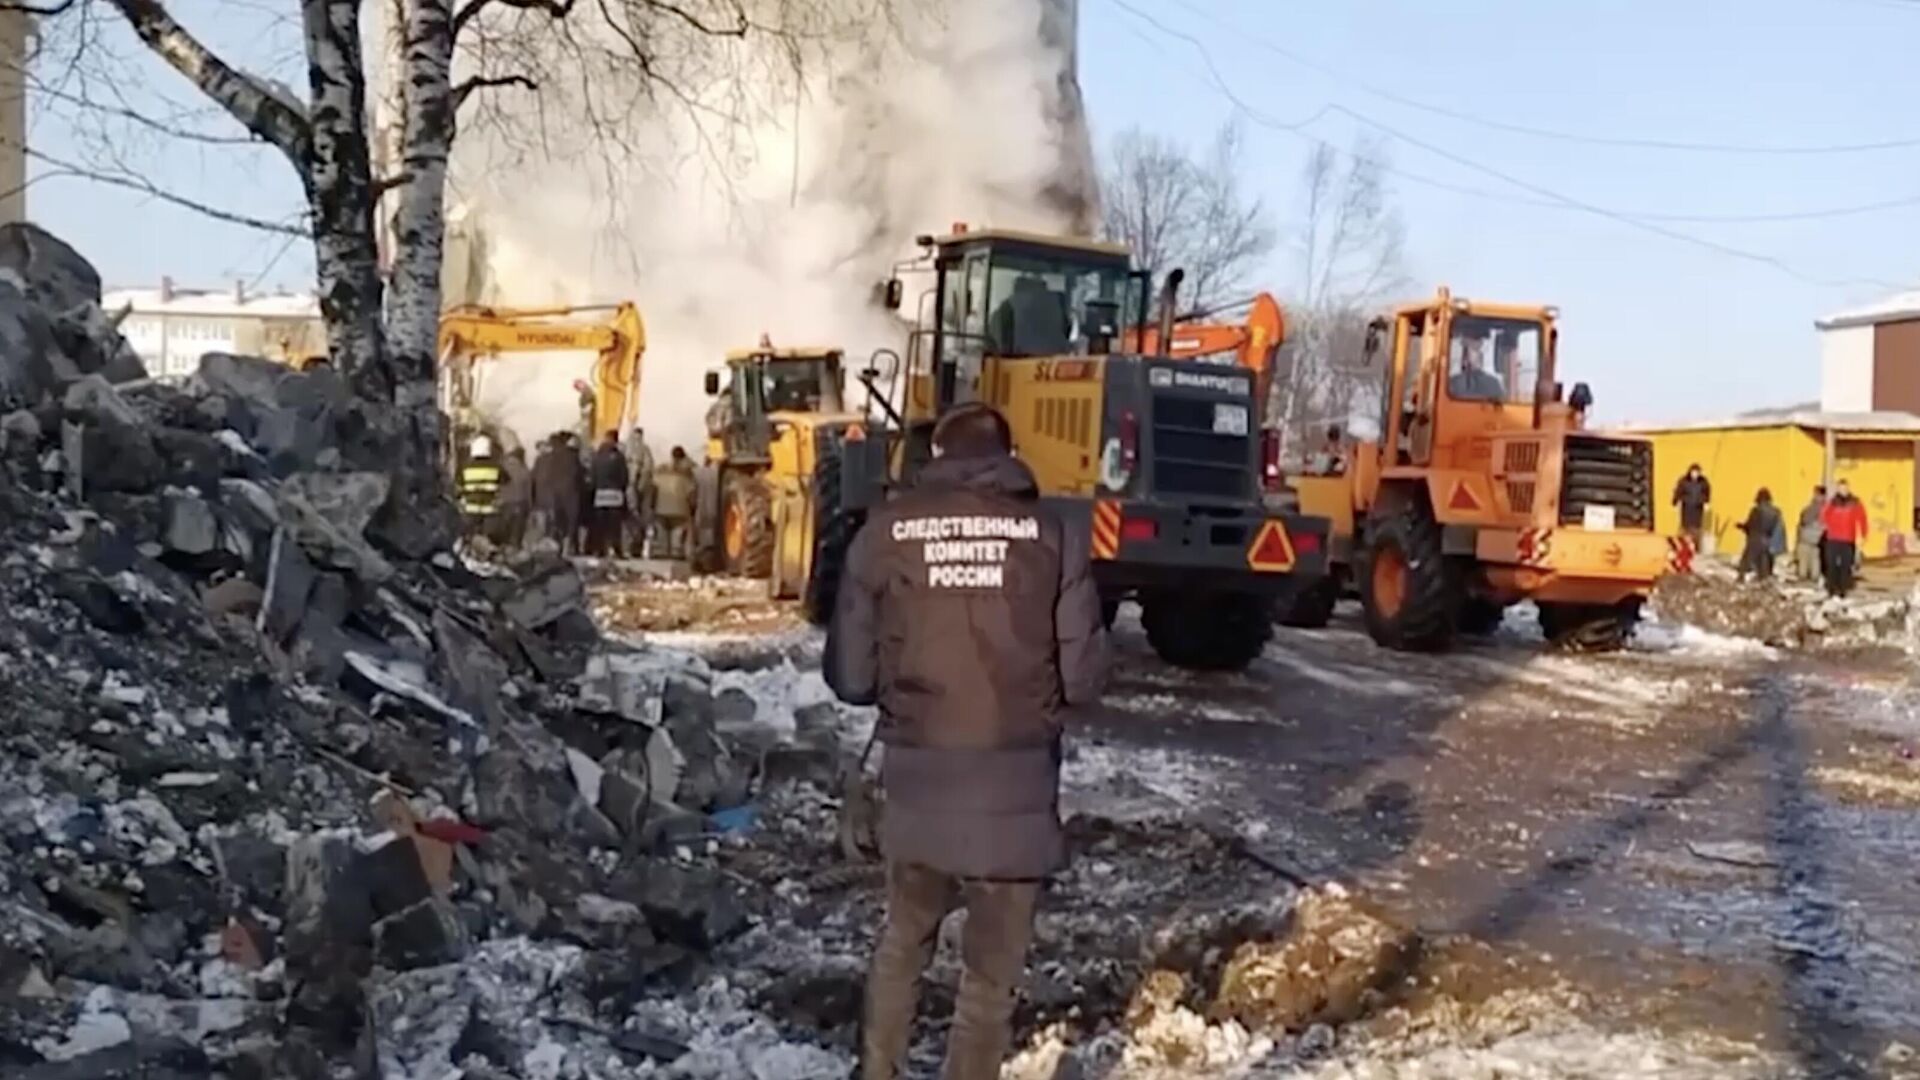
{"points": [[1553, 198], [1623, 142]]}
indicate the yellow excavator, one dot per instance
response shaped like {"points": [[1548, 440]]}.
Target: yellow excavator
{"points": [[472, 335], [763, 433]]}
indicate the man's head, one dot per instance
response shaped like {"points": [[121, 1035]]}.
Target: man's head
{"points": [[1819, 491], [679, 454], [517, 454], [1333, 434], [1841, 491], [1470, 354], [1693, 471], [611, 441], [1764, 496], [972, 430]]}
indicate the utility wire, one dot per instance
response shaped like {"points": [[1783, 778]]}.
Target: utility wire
{"points": [[1682, 145], [1552, 198]]}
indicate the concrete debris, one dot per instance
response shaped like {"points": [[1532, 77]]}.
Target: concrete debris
{"points": [[1790, 614]]}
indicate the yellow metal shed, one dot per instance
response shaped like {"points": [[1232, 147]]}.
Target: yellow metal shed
{"points": [[1788, 453]]}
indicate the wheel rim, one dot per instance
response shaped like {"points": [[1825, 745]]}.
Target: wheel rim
{"points": [[734, 530], [1389, 581]]}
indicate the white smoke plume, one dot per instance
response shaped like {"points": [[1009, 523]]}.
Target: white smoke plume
{"points": [[783, 218]]}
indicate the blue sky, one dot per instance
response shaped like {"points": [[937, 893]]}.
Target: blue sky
{"points": [[1662, 326]]}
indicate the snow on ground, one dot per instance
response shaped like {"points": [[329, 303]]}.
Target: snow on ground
{"points": [[1129, 783], [1177, 705], [1365, 679]]}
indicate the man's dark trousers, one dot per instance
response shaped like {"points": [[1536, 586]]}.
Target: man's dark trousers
{"points": [[993, 948], [1840, 559]]}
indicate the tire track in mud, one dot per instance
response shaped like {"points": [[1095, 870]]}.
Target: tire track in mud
{"points": [[1821, 992]]}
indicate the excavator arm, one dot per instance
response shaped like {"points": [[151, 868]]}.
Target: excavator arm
{"points": [[1253, 341], [471, 334]]}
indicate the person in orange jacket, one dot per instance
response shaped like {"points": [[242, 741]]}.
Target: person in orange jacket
{"points": [[1845, 520]]}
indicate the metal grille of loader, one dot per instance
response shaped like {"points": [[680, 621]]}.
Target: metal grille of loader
{"points": [[1608, 472], [1190, 458]]}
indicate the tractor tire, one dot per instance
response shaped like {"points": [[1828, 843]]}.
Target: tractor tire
{"points": [[1590, 628], [1409, 593], [833, 531], [1479, 618], [1311, 607], [746, 527], [1219, 632]]}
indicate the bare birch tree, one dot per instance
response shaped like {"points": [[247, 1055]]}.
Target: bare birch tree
{"points": [[1351, 245], [1175, 209]]}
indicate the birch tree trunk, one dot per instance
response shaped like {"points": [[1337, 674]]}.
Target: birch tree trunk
{"points": [[413, 308], [339, 182]]}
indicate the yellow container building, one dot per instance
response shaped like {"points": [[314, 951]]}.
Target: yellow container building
{"points": [[1789, 453]]}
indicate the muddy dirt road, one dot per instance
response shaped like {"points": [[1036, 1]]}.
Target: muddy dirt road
{"points": [[1700, 835]]}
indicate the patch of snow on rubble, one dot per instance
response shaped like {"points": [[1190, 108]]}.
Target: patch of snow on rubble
{"points": [[777, 692], [727, 1039], [100, 1025], [1656, 636], [1559, 1053]]}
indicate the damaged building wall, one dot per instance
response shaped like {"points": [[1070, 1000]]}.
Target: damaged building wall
{"points": [[783, 219]]}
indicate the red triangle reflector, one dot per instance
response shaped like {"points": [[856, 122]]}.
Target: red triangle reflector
{"points": [[1271, 549], [1462, 497]]}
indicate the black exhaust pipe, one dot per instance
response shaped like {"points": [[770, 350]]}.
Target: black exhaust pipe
{"points": [[1169, 295]]}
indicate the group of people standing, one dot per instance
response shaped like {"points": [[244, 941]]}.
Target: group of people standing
{"points": [[613, 502], [1827, 537]]}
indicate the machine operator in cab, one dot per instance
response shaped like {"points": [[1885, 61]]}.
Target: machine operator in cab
{"points": [[969, 616]]}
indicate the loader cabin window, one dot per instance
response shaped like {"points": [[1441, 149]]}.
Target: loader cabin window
{"points": [[1052, 304], [1493, 360], [800, 386]]}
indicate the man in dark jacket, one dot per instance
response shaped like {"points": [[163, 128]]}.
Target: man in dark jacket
{"points": [[1766, 531], [558, 479], [969, 615], [607, 481], [1693, 494]]}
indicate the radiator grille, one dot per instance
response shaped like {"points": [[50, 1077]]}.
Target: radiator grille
{"points": [[1608, 472]]}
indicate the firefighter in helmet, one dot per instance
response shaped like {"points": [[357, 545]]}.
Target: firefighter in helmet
{"points": [[480, 478]]}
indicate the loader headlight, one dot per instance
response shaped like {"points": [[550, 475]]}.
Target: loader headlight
{"points": [[1114, 471]]}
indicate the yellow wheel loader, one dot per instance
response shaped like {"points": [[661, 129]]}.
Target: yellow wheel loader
{"points": [[1485, 488], [1156, 462], [763, 433]]}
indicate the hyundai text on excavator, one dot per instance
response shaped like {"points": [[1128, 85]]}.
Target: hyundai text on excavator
{"points": [[1157, 460], [1485, 488], [763, 433], [471, 335]]}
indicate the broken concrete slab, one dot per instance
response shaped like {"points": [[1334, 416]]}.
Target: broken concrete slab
{"points": [[191, 529], [690, 906], [475, 673], [328, 512], [425, 935], [234, 596], [93, 395], [290, 578], [545, 597], [247, 378], [57, 277]]}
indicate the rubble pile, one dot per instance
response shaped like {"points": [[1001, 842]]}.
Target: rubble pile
{"points": [[275, 758], [1788, 614]]}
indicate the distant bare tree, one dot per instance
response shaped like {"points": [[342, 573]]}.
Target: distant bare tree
{"points": [[1174, 209], [1351, 245]]}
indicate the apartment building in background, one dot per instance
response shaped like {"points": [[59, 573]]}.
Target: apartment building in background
{"points": [[172, 327]]}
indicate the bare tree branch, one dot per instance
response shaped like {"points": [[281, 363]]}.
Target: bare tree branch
{"points": [[485, 82], [43, 10], [261, 110], [738, 29], [555, 9], [154, 124], [1174, 210], [147, 187]]}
